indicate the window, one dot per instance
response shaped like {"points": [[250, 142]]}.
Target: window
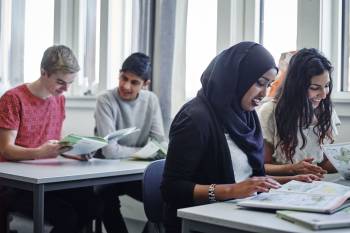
{"points": [[103, 42], [88, 48], [99, 33], [344, 85], [200, 41], [5, 36], [121, 28], [38, 35], [279, 26], [113, 44]]}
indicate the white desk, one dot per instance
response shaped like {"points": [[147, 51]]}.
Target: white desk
{"points": [[225, 217], [40, 176]]}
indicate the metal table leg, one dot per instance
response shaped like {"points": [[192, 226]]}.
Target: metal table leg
{"points": [[38, 210]]}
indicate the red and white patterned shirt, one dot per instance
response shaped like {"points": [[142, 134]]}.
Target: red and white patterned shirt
{"points": [[35, 119]]}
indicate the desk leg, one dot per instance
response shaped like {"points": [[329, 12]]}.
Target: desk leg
{"points": [[190, 226], [185, 226], [38, 211]]}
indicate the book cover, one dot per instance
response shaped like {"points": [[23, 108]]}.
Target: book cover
{"points": [[316, 221], [318, 196]]}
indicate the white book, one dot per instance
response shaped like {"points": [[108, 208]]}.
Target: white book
{"points": [[82, 145], [318, 196], [119, 134], [316, 221], [339, 155], [153, 150]]}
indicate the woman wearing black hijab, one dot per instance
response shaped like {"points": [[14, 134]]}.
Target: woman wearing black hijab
{"points": [[216, 146]]}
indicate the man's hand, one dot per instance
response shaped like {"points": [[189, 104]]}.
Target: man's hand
{"points": [[50, 149]]}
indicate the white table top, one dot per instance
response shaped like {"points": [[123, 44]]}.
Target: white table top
{"points": [[61, 169], [229, 215]]}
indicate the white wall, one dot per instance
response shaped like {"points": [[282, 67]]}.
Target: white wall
{"points": [[80, 119], [344, 130], [79, 116], [343, 110]]}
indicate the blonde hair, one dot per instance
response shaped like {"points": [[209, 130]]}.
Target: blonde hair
{"points": [[59, 58]]}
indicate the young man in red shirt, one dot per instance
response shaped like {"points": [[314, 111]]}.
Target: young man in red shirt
{"points": [[31, 118]]}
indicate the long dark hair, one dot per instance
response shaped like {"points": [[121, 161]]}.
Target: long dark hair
{"points": [[294, 111]]}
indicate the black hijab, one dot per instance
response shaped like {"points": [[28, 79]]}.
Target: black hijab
{"points": [[225, 81]]}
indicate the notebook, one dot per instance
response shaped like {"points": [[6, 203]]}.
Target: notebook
{"points": [[316, 221], [339, 155]]}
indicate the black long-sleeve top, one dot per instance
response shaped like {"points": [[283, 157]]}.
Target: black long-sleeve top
{"points": [[198, 154]]}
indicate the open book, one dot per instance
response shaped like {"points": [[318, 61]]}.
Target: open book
{"points": [[80, 146], [317, 221], [318, 196], [339, 156], [153, 150]]}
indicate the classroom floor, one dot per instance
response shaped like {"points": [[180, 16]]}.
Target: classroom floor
{"points": [[132, 211], [24, 225]]}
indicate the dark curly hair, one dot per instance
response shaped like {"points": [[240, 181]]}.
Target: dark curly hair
{"points": [[294, 111]]}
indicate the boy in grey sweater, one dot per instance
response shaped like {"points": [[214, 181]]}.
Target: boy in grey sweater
{"points": [[128, 105]]}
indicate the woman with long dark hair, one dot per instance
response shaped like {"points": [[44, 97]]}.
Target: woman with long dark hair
{"points": [[300, 118]]}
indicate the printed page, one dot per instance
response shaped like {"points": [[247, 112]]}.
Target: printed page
{"points": [[292, 201], [316, 187], [318, 196]]}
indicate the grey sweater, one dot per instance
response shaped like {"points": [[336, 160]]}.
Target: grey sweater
{"points": [[112, 113]]}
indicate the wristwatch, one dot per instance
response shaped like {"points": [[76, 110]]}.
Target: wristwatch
{"points": [[211, 193]]}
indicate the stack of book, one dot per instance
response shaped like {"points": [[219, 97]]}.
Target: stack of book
{"points": [[317, 205]]}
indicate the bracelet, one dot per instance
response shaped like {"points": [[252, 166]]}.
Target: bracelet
{"points": [[211, 193]]}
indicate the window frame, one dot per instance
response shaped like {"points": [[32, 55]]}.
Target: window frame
{"points": [[345, 46], [74, 26], [5, 35], [332, 42]]}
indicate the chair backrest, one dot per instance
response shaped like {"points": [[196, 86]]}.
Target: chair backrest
{"points": [[152, 197]]}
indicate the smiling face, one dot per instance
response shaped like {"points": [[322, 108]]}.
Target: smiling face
{"points": [[257, 91], [319, 88], [57, 83], [130, 85]]}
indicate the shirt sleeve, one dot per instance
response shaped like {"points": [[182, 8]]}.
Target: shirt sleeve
{"points": [[267, 122], [157, 128], [105, 120], [9, 112], [185, 153]]}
